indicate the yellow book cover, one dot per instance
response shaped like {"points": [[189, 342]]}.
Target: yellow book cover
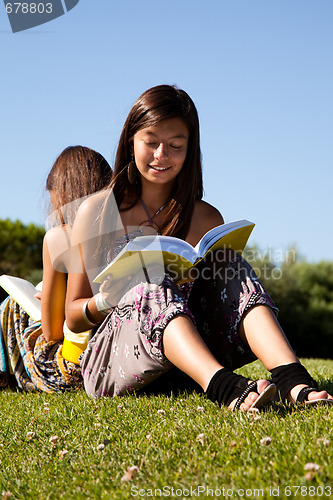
{"points": [[174, 254]]}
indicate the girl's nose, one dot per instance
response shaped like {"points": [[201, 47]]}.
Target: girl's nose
{"points": [[161, 151]]}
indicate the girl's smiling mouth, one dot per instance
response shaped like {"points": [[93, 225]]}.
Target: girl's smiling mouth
{"points": [[159, 168]]}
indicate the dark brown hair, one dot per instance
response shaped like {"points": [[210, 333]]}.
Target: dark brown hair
{"points": [[77, 172], [154, 105]]}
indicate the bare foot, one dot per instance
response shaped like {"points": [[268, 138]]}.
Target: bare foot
{"points": [[312, 396], [252, 397]]}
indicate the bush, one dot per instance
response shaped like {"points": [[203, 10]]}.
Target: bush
{"points": [[303, 292], [21, 251]]}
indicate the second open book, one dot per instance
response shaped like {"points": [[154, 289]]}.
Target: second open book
{"points": [[176, 255], [24, 293]]}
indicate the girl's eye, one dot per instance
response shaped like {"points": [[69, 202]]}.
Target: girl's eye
{"points": [[175, 147]]}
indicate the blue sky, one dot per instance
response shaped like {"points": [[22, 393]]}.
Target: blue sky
{"points": [[259, 71]]}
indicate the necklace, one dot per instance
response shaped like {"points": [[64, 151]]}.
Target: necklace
{"points": [[150, 219]]}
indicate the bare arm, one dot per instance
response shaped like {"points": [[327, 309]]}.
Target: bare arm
{"points": [[85, 249], [78, 292], [53, 298]]}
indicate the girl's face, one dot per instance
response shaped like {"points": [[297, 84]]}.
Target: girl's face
{"points": [[160, 151]]}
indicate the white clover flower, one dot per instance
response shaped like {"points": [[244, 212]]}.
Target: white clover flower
{"points": [[6, 494], [54, 439], [325, 442], [201, 438], [253, 415], [311, 467], [130, 473], [266, 441]]}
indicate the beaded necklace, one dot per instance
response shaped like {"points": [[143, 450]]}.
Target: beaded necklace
{"points": [[150, 219]]}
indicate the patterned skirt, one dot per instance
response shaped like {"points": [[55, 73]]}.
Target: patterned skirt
{"points": [[25, 354], [126, 352]]}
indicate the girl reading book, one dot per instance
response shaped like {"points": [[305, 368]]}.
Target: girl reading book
{"points": [[148, 325], [33, 351]]}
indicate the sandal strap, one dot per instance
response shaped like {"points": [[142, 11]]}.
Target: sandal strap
{"points": [[285, 377], [303, 394], [250, 388]]}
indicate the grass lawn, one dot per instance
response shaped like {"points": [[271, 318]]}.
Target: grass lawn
{"points": [[68, 446]]}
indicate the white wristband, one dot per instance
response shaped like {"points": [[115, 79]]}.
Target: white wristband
{"points": [[101, 304], [84, 314]]}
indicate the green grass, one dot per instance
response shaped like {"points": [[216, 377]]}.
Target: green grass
{"points": [[159, 435]]}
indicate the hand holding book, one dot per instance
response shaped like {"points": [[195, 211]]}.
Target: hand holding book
{"points": [[175, 255], [111, 291]]}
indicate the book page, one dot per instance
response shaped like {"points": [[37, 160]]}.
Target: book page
{"points": [[222, 232], [23, 292]]}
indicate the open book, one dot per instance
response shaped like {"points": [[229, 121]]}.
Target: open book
{"points": [[24, 293], [176, 255]]}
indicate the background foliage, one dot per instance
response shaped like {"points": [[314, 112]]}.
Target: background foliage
{"points": [[21, 251], [302, 291]]}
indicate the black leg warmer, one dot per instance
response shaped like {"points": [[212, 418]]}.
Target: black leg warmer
{"points": [[285, 377], [225, 386]]}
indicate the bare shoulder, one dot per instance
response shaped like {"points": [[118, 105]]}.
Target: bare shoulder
{"points": [[204, 218], [206, 212], [88, 216], [57, 234], [56, 248], [92, 205]]}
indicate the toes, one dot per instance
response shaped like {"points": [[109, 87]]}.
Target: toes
{"points": [[318, 395], [262, 385], [252, 396]]}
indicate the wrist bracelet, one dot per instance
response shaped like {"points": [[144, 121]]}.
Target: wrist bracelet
{"points": [[102, 304], [84, 314]]}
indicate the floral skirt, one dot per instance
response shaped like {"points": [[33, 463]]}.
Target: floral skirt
{"points": [[24, 353], [126, 352]]}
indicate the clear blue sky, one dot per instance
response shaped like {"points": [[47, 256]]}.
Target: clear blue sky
{"points": [[259, 71]]}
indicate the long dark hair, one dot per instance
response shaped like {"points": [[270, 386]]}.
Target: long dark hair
{"points": [[77, 172], [154, 105]]}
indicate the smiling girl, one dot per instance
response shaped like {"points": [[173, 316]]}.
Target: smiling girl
{"points": [[206, 328]]}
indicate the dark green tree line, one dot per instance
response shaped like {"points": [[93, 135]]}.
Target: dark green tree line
{"points": [[303, 292], [21, 250]]}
